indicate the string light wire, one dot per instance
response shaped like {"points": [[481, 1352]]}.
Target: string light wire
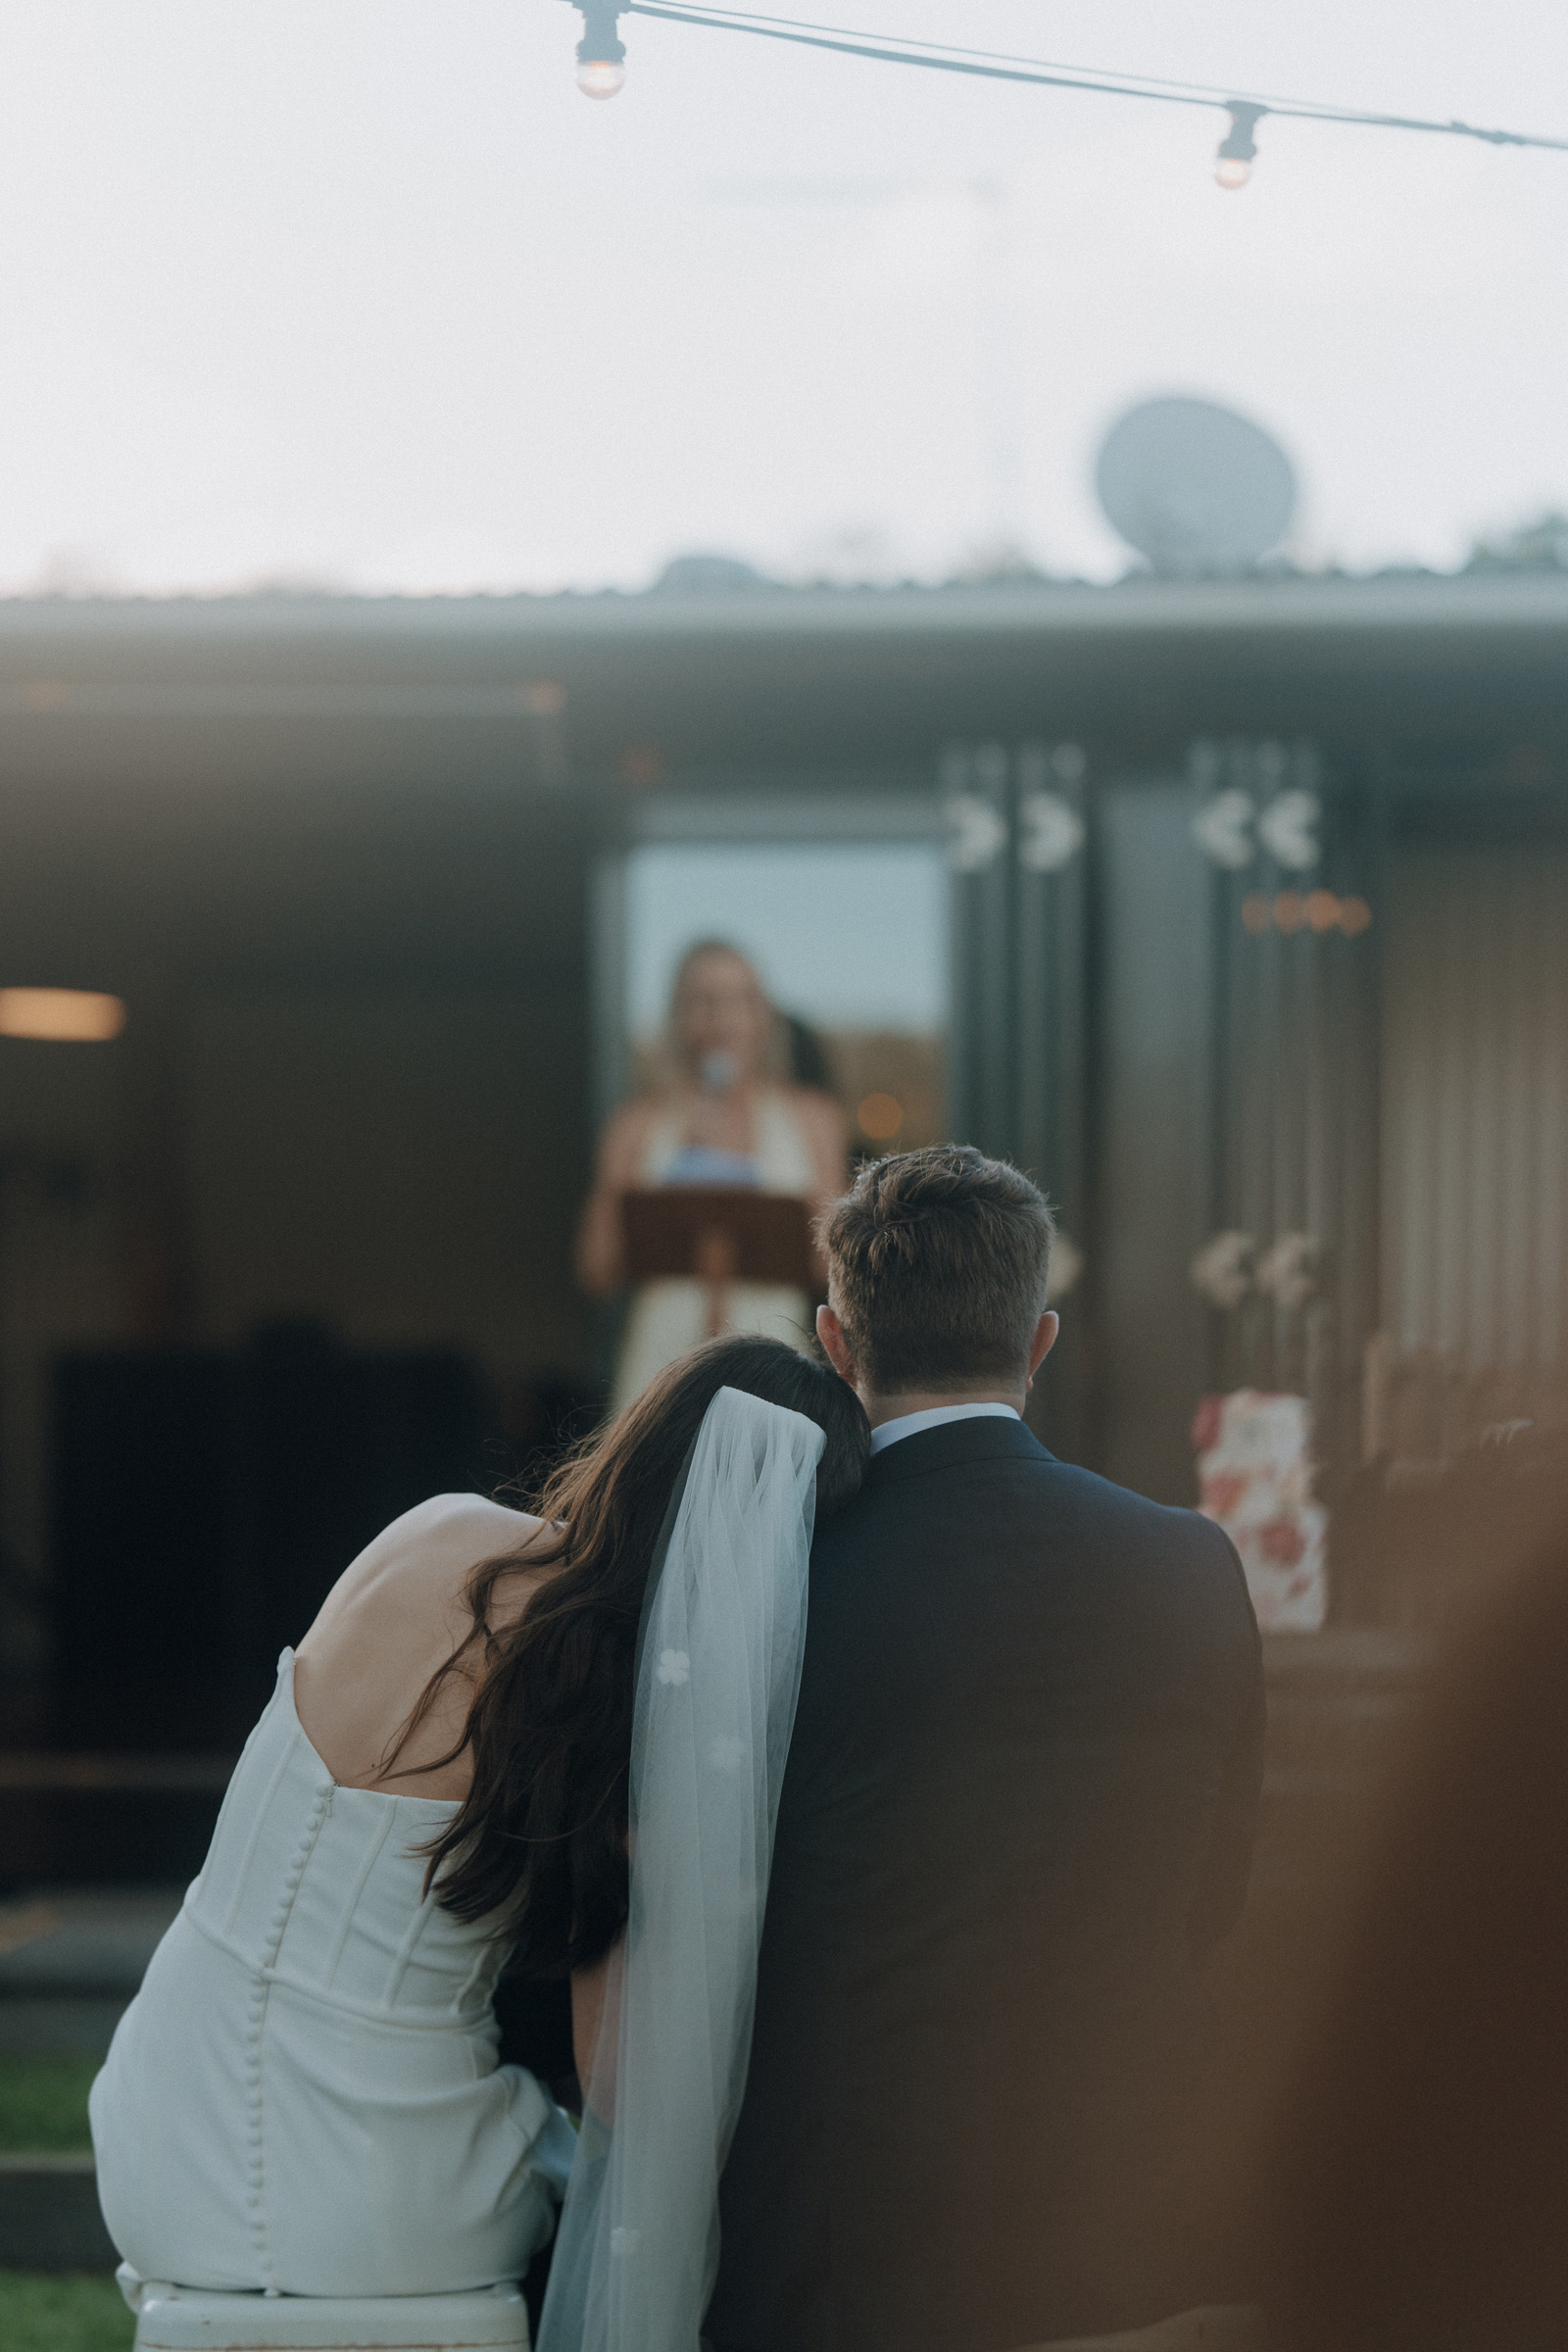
{"points": [[995, 65], [1209, 93]]}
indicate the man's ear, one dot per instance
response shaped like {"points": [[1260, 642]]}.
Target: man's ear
{"points": [[835, 1346], [1044, 1340]]}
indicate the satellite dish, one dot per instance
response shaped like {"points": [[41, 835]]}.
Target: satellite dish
{"points": [[708, 575], [1194, 487]]}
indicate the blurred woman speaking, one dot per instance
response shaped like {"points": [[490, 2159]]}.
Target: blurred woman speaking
{"points": [[725, 1119]]}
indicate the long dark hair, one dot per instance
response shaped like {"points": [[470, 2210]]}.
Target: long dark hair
{"points": [[539, 1844]]}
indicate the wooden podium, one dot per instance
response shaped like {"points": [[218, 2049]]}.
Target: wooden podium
{"points": [[718, 1235]]}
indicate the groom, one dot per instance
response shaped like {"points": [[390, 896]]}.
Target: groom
{"points": [[1018, 1811]]}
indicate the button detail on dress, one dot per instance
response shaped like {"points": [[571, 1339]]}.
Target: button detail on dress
{"points": [[259, 2195]]}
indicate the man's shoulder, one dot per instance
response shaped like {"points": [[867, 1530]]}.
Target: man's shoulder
{"points": [[1101, 1501], [1025, 1493], [1013, 1470]]}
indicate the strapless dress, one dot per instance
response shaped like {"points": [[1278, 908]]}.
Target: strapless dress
{"points": [[304, 2097]]}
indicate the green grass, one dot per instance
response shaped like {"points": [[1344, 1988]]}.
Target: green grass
{"points": [[63, 2315], [43, 2107]]}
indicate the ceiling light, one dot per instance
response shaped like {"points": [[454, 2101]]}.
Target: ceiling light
{"points": [[63, 1015]]}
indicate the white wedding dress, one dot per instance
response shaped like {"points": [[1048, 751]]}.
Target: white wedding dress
{"points": [[303, 2096]]}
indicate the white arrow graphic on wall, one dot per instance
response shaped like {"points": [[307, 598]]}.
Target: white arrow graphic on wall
{"points": [[1287, 829], [1285, 1272], [1051, 832], [1220, 1271], [979, 833], [1222, 829]]}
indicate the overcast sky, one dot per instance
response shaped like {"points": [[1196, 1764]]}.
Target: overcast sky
{"points": [[364, 292]]}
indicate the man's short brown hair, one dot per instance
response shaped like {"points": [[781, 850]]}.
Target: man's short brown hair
{"points": [[936, 1270]]}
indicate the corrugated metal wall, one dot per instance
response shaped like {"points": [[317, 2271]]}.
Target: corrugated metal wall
{"points": [[1475, 1116], [1288, 1268]]}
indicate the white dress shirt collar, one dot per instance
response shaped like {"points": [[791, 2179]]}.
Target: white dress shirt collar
{"points": [[909, 1425]]}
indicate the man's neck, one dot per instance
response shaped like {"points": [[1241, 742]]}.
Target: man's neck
{"points": [[923, 1401]]}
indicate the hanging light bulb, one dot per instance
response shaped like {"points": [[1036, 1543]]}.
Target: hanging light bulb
{"points": [[601, 53], [600, 76], [1233, 157]]}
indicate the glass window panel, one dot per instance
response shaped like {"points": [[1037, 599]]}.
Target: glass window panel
{"points": [[850, 940]]}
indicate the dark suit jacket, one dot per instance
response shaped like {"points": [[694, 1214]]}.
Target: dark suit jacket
{"points": [[1018, 1808]]}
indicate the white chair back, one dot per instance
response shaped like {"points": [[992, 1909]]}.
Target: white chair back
{"points": [[182, 2318]]}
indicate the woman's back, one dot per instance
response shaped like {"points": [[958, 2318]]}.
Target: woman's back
{"points": [[392, 1620], [303, 2096]]}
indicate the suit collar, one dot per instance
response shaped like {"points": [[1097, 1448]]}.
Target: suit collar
{"points": [[910, 1425], [987, 1440]]}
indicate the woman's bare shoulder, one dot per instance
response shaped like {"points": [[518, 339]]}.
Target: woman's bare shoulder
{"points": [[425, 1558], [395, 1617], [455, 1517], [470, 1526]]}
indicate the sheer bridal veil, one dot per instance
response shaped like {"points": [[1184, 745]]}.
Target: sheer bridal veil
{"points": [[718, 1673]]}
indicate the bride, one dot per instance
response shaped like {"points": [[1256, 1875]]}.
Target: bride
{"points": [[559, 1738]]}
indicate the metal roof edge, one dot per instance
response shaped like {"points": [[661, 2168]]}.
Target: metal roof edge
{"points": [[1157, 609]]}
